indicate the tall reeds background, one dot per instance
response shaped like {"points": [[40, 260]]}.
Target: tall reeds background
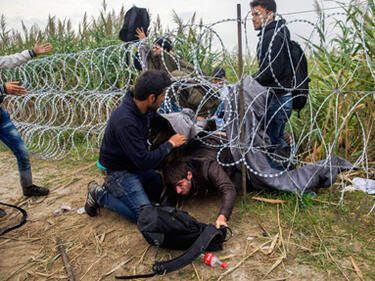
{"points": [[339, 117]]}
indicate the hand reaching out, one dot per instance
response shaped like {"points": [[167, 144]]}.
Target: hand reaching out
{"points": [[177, 140], [140, 33], [42, 49], [12, 88]]}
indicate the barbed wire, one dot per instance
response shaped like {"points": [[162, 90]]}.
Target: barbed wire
{"points": [[71, 96]]}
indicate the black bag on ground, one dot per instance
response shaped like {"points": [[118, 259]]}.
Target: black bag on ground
{"points": [[300, 80], [134, 18], [172, 228]]}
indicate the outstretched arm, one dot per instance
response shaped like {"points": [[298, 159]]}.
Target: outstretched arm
{"points": [[224, 185], [42, 49], [17, 59], [14, 60]]}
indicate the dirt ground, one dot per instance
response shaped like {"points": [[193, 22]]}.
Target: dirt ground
{"points": [[102, 247]]}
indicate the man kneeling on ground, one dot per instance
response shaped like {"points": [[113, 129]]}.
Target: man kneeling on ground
{"points": [[124, 153], [199, 173]]}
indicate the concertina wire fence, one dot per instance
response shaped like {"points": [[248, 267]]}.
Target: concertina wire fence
{"points": [[71, 96]]}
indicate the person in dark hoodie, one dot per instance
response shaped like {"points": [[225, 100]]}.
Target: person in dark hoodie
{"points": [[274, 67], [131, 180]]}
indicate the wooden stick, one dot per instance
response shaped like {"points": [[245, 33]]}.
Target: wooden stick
{"points": [[242, 109], [291, 228], [65, 259], [267, 200], [143, 255], [357, 270], [324, 202], [115, 268], [241, 262], [261, 226], [196, 272], [329, 255], [92, 266], [276, 264]]}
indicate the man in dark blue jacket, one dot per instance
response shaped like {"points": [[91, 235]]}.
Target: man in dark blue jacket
{"points": [[274, 67], [124, 151]]}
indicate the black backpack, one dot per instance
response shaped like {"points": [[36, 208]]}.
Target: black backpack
{"points": [[300, 80], [171, 228], [133, 19]]}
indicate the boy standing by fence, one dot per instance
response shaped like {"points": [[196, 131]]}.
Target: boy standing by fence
{"points": [[9, 134], [274, 67]]}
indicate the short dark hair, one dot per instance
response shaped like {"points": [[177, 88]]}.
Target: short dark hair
{"points": [[165, 43], [269, 5], [151, 82], [175, 171], [218, 73]]}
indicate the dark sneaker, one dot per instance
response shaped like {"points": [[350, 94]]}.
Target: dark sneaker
{"points": [[2, 213], [35, 190], [91, 206]]}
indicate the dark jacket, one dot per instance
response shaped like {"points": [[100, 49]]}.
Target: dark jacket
{"points": [[208, 175], [124, 145], [274, 58]]}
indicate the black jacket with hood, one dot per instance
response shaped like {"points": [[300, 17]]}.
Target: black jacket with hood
{"points": [[273, 57]]}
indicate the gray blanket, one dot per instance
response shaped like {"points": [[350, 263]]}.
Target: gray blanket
{"points": [[254, 153], [254, 150]]}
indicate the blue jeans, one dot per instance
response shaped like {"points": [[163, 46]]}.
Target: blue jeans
{"points": [[125, 193], [278, 112], [10, 136]]}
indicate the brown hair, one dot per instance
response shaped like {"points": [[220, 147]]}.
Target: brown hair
{"points": [[175, 171], [269, 5]]}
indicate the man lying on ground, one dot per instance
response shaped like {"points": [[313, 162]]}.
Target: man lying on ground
{"points": [[199, 172]]}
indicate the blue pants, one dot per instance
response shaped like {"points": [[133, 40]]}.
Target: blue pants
{"points": [[278, 112], [125, 193], [10, 136]]}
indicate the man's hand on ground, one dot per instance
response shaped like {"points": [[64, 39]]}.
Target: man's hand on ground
{"points": [[177, 140], [42, 49], [221, 221], [12, 88]]}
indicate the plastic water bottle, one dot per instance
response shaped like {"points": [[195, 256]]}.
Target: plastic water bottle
{"points": [[212, 260]]}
